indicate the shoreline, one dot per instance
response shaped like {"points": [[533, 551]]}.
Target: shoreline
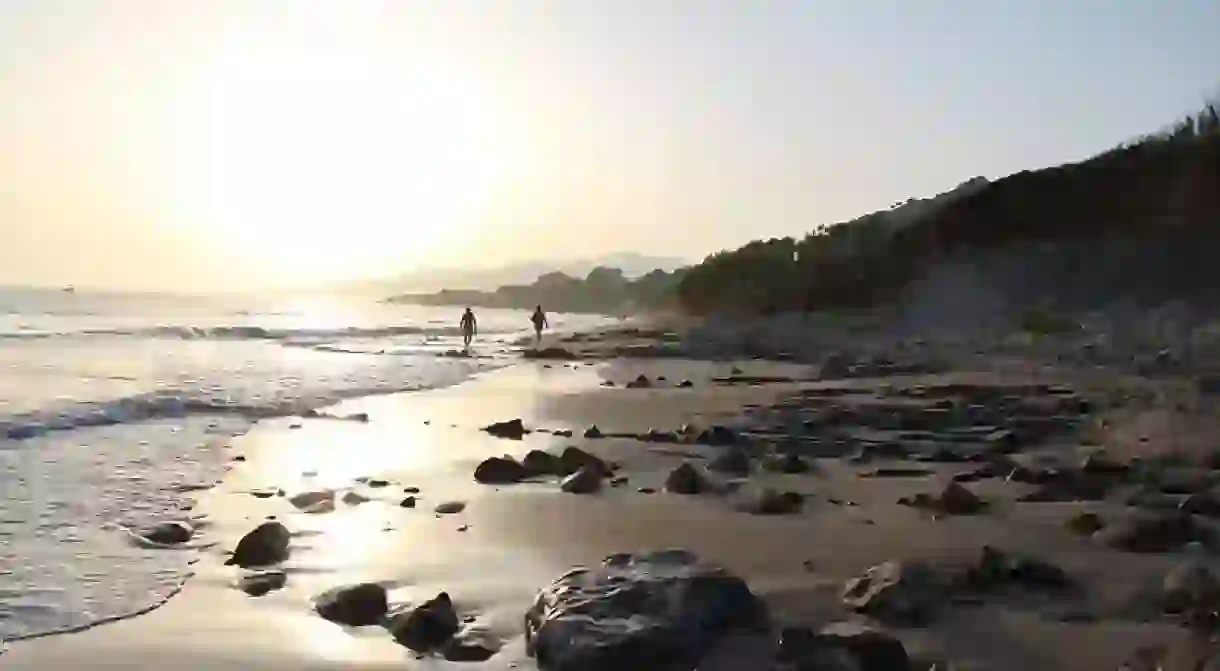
{"points": [[512, 540]]}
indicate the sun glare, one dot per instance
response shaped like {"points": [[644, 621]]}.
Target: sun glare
{"points": [[322, 164]]}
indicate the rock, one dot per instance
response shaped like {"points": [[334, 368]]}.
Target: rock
{"points": [[772, 502], [410, 490], [458, 650], [646, 490], [554, 353], [377, 484], [786, 463], [267, 544], [357, 417], [500, 471], [717, 436], [997, 569], [513, 429], [898, 472], [1068, 486], [426, 627], [450, 508], [587, 480], [537, 462], [1183, 481], [1085, 524], [900, 592], [646, 611], [593, 432], [1188, 587], [355, 606], [1159, 532], [170, 533], [1205, 504], [262, 583], [314, 502], [837, 365], [1099, 463], [640, 382], [659, 436], [685, 384], [572, 459], [842, 646], [686, 479], [355, 499], [954, 499], [732, 461], [408, 502]]}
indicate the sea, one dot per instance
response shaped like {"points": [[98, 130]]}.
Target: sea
{"points": [[115, 407]]}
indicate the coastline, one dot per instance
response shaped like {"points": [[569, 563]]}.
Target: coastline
{"points": [[511, 541]]}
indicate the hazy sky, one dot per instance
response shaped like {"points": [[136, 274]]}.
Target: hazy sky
{"points": [[182, 143]]}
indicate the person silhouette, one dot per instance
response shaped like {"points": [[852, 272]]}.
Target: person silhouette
{"points": [[470, 327], [540, 322]]}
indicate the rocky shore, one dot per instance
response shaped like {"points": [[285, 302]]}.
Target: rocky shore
{"points": [[615, 503]]}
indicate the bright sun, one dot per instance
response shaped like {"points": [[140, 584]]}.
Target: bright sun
{"points": [[325, 165]]}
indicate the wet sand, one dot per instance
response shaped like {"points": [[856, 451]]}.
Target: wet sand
{"points": [[511, 540]]}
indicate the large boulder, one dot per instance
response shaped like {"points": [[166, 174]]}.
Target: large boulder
{"points": [[717, 435], [500, 471], [354, 605], [513, 429], [267, 544], [585, 481], [900, 592], [170, 533], [427, 627], [645, 611]]}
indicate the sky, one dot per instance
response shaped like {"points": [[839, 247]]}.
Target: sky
{"points": [[228, 144]]}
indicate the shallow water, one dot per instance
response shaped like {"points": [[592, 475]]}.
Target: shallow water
{"points": [[115, 408]]}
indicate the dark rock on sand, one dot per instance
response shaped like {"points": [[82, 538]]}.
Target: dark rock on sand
{"points": [[587, 480], [897, 472], [1156, 532], [262, 583], [898, 592], [313, 500], [170, 533], [686, 384], [997, 569], [537, 462], [1188, 588], [593, 432], [573, 459], [772, 502], [640, 382], [513, 429], [377, 484], [355, 605], [267, 544], [842, 646], [786, 463], [1067, 485], [646, 611], [954, 499], [659, 436], [732, 461], [450, 508], [686, 479], [552, 353], [1206, 504], [500, 471], [427, 627], [1085, 524], [355, 498], [717, 436], [408, 502], [1099, 463]]}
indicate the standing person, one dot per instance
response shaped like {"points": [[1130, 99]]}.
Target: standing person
{"points": [[470, 326], [539, 319]]}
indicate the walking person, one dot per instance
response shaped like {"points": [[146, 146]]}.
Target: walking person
{"points": [[540, 322], [470, 327]]}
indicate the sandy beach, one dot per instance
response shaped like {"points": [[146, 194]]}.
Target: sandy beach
{"points": [[512, 540]]}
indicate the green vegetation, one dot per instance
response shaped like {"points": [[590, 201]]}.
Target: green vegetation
{"points": [[1163, 187], [604, 290]]}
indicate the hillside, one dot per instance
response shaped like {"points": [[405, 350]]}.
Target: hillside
{"points": [[1138, 222]]}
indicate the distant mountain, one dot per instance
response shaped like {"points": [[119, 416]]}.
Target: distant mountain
{"points": [[488, 279]]}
